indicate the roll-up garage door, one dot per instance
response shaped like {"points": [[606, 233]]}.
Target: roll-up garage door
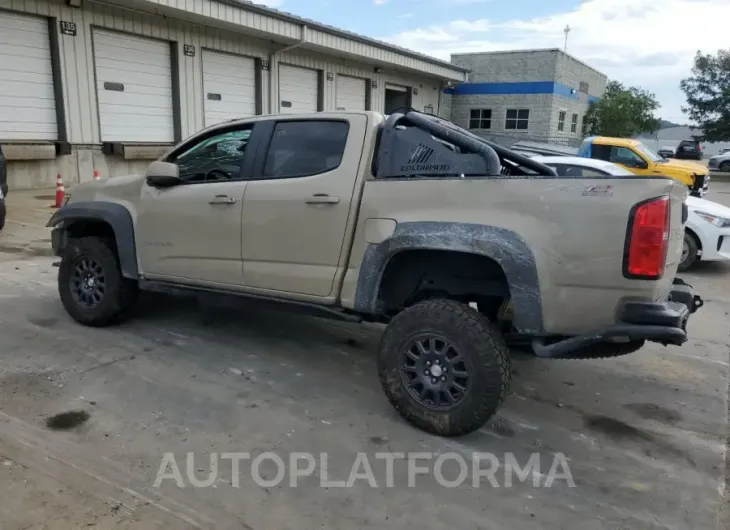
{"points": [[298, 89], [229, 86], [351, 93], [27, 104], [134, 87]]}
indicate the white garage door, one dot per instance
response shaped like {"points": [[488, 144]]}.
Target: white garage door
{"points": [[297, 89], [351, 93], [134, 87], [229, 87], [27, 105]]}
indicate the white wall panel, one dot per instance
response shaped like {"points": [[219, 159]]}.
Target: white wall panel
{"points": [[298, 89], [27, 99], [229, 86], [351, 93], [143, 110]]}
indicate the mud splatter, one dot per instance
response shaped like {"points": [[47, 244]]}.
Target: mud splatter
{"points": [[653, 446], [66, 421]]}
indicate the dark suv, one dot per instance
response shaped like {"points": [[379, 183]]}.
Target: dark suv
{"points": [[689, 150], [3, 187]]}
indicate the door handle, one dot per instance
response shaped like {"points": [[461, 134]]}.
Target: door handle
{"points": [[322, 198], [222, 199]]}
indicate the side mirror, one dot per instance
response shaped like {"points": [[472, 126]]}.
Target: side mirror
{"points": [[642, 164], [163, 175]]}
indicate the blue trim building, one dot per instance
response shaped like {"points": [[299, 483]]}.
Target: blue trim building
{"points": [[530, 94]]}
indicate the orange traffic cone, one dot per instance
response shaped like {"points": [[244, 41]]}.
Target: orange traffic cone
{"points": [[96, 175], [60, 191]]}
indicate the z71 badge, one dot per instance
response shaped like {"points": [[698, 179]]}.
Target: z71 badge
{"points": [[598, 190]]}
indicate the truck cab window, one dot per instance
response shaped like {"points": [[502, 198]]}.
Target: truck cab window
{"points": [[626, 156], [305, 148], [218, 157]]}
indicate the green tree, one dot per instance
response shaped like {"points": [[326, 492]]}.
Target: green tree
{"points": [[623, 112], [708, 95]]}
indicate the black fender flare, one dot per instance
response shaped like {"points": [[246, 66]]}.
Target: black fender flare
{"points": [[116, 216], [504, 246]]}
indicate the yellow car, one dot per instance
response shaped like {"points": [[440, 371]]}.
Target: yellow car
{"points": [[641, 160]]}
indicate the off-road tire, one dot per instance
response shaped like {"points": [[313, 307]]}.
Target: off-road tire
{"points": [[476, 339], [120, 293], [691, 258]]}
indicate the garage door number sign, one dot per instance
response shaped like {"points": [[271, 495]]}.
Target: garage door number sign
{"points": [[68, 28]]}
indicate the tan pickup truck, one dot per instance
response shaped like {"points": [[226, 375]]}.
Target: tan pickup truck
{"points": [[460, 246]]}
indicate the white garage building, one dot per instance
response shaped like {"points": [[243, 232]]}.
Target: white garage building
{"points": [[110, 84]]}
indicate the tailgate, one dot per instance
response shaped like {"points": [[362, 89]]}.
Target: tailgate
{"points": [[678, 194]]}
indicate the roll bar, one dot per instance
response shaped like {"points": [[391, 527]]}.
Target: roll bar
{"points": [[453, 134]]}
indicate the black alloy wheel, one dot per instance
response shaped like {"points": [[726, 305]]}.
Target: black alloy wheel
{"points": [[88, 282], [435, 373]]}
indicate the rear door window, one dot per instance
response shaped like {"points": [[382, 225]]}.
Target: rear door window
{"points": [[305, 148], [601, 152]]}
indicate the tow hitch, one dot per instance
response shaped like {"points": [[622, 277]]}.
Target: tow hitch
{"points": [[697, 303]]}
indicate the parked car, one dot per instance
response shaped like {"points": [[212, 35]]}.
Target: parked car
{"points": [[407, 220], [640, 160], [575, 166], [707, 234], [3, 188], [666, 152], [720, 162], [689, 150]]}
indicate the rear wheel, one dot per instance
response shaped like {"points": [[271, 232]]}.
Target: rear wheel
{"points": [[725, 166], [444, 367], [690, 249], [90, 283]]}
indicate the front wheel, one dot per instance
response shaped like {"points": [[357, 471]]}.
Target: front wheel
{"points": [[725, 166], [444, 367], [90, 283], [690, 249]]}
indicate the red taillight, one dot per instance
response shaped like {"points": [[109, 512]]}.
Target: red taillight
{"points": [[646, 249]]}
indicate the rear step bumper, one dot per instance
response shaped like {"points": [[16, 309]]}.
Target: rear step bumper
{"points": [[663, 322]]}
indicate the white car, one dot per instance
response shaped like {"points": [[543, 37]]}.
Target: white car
{"points": [[576, 166], [707, 232]]}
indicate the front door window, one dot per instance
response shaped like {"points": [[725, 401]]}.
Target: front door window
{"points": [[217, 158]]}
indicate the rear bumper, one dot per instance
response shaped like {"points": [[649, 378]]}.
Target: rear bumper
{"points": [[662, 322]]}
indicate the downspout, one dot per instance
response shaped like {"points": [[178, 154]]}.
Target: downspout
{"points": [[274, 69]]}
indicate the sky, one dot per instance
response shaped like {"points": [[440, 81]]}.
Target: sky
{"points": [[645, 43]]}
